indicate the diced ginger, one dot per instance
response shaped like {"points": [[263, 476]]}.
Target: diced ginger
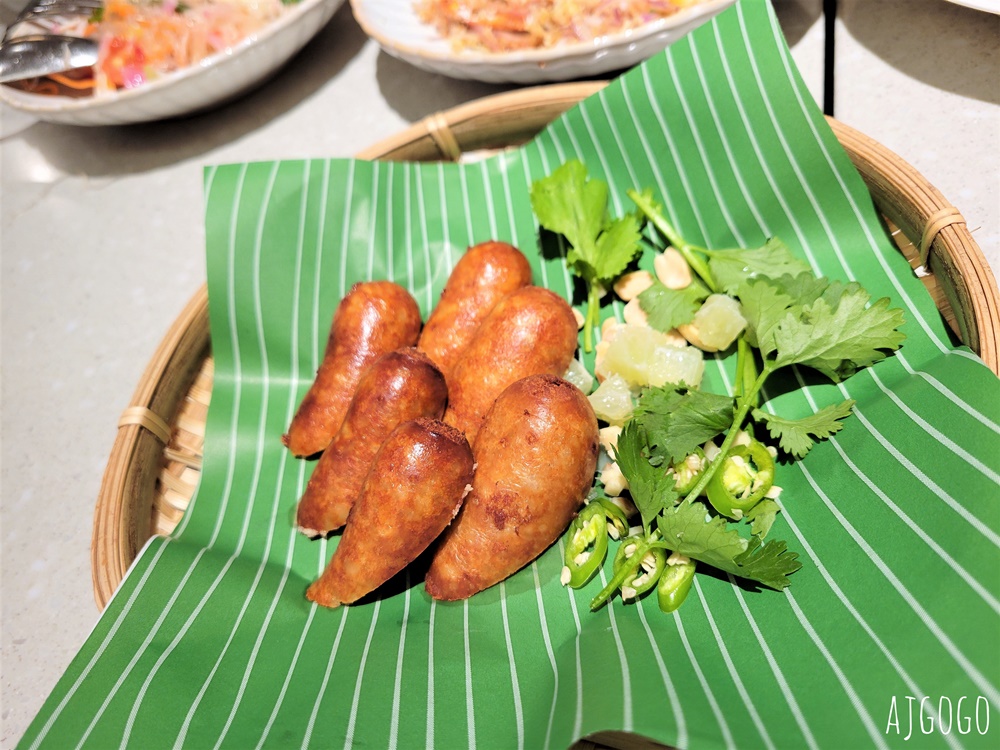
{"points": [[579, 375], [711, 450], [644, 356], [608, 437], [742, 438], [612, 401], [613, 480], [716, 324]]}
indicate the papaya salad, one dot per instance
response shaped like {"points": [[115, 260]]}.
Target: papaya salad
{"points": [[511, 25], [142, 40]]}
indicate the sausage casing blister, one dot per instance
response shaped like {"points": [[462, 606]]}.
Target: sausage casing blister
{"points": [[416, 485], [483, 276], [399, 386], [531, 331], [374, 317], [535, 460]]}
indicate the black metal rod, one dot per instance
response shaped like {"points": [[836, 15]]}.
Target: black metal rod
{"points": [[829, 39]]}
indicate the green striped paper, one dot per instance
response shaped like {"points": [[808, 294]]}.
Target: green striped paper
{"points": [[890, 629]]}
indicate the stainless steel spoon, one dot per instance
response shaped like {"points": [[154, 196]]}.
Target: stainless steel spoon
{"points": [[40, 55], [31, 49]]}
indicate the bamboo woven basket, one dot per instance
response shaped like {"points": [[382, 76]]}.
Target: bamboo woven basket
{"points": [[155, 463]]}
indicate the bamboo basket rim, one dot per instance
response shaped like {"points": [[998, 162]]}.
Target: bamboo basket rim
{"points": [[155, 460]]}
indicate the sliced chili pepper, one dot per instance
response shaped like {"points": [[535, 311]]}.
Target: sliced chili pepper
{"points": [[587, 545], [646, 570], [616, 518], [674, 584], [688, 471], [745, 477]]}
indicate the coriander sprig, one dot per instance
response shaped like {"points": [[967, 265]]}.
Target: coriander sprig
{"points": [[569, 203], [793, 319]]}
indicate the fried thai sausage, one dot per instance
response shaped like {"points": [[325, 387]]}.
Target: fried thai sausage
{"points": [[415, 487], [530, 332], [486, 274], [374, 318], [535, 460], [401, 385]]}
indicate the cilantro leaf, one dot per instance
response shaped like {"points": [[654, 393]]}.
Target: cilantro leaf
{"points": [[794, 434], [838, 341], [616, 246], [763, 305], [806, 287], [834, 331], [569, 203], [676, 423], [651, 489], [769, 563], [761, 517], [667, 308], [689, 530], [730, 268]]}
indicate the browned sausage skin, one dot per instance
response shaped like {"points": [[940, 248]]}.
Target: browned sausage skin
{"points": [[415, 487], [535, 459], [531, 331], [374, 318], [484, 275], [399, 386]]}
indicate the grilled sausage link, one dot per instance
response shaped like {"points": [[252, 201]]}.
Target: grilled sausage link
{"points": [[400, 386], [415, 487], [535, 459], [530, 331], [374, 318], [486, 274]]}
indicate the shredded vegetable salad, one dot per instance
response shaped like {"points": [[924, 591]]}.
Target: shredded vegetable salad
{"points": [[509, 25], [142, 40]]}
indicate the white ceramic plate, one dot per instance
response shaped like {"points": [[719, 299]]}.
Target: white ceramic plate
{"points": [[213, 81], [395, 26]]}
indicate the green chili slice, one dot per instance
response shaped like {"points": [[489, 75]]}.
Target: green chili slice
{"points": [[744, 478], [645, 570], [587, 545], [616, 518], [674, 584], [688, 471]]}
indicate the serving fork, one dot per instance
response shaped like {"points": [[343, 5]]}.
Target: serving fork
{"points": [[31, 46]]}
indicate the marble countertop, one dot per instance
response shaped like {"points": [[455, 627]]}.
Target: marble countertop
{"points": [[102, 245]]}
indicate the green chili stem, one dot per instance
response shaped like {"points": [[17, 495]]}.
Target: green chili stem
{"points": [[627, 568], [685, 248], [592, 317], [746, 404], [746, 369]]}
